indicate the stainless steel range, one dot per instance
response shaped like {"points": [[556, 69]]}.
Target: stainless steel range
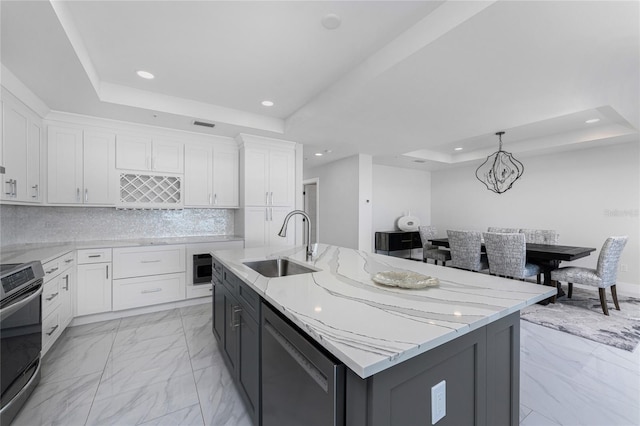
{"points": [[20, 335]]}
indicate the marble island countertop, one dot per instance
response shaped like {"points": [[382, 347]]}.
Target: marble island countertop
{"points": [[20, 253], [371, 327]]}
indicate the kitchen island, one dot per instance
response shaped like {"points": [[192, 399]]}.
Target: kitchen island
{"points": [[398, 343]]}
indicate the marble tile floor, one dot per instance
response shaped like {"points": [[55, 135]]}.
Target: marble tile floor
{"points": [[165, 369]]}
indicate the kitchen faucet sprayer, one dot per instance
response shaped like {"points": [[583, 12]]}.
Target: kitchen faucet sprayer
{"points": [[283, 230]]}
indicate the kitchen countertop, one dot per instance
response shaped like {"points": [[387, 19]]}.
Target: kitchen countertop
{"points": [[371, 327], [44, 252]]}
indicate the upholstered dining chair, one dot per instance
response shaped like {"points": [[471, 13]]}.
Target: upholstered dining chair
{"points": [[503, 230], [429, 251], [603, 276], [507, 255], [466, 250], [540, 236]]}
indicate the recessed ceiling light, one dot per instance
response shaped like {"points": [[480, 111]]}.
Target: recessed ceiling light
{"points": [[267, 103], [318, 154], [592, 120], [458, 148], [331, 21], [145, 74]]}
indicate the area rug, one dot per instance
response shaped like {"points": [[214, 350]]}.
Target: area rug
{"points": [[582, 316]]}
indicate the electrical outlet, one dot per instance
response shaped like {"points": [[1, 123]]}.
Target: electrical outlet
{"points": [[438, 402], [623, 267]]}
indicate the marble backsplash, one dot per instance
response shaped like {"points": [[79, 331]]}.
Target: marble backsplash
{"points": [[27, 224]]}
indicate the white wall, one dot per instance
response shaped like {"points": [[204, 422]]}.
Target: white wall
{"points": [[338, 191], [365, 205], [396, 192], [586, 195]]}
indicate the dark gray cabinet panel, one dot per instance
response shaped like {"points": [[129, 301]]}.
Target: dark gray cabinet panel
{"points": [[218, 309], [236, 327], [249, 364], [481, 371]]}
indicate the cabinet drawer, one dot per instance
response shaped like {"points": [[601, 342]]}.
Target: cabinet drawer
{"points": [[68, 260], [216, 267], [249, 300], [144, 291], [51, 296], [143, 261], [50, 330], [230, 281], [94, 256]]}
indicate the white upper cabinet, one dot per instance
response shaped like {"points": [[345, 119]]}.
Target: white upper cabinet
{"points": [[269, 175], [226, 176], [99, 171], [21, 141], [81, 167], [149, 154], [198, 172], [211, 175], [133, 152]]}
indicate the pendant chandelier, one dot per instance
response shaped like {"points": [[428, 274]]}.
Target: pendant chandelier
{"points": [[500, 170]]}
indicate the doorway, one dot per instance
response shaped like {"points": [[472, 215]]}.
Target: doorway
{"points": [[311, 206]]}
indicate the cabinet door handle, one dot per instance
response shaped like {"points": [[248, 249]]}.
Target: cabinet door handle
{"points": [[37, 191], [271, 214], [86, 195], [53, 296], [70, 260], [53, 330], [210, 200], [150, 261], [66, 281], [154, 290], [15, 188], [266, 214], [266, 197], [235, 320], [78, 194], [107, 267], [271, 201], [215, 199], [52, 270], [10, 183], [94, 255]]}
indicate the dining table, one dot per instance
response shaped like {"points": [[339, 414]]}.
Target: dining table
{"points": [[547, 256]]}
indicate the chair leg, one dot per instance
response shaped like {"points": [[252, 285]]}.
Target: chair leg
{"points": [[570, 293], [603, 301], [614, 294]]}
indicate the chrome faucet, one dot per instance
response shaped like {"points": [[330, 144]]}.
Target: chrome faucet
{"points": [[283, 230]]}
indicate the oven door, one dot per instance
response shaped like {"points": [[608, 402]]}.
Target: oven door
{"points": [[20, 342]]}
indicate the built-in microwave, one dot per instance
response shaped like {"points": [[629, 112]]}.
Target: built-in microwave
{"points": [[199, 266]]}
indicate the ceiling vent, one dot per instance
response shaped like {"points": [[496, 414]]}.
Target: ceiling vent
{"points": [[203, 124]]}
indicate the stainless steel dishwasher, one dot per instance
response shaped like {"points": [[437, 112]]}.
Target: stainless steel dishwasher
{"points": [[301, 384]]}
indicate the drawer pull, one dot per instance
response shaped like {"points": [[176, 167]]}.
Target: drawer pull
{"points": [[92, 256], [66, 280], [150, 261], [154, 290], [52, 270], [235, 320], [53, 296], [53, 330], [68, 261]]}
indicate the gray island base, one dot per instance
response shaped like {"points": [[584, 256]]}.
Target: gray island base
{"points": [[381, 353], [481, 371]]}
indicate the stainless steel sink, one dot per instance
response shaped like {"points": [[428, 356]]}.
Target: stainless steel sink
{"points": [[272, 268]]}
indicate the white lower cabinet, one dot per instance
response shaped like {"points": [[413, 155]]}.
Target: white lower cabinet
{"points": [[57, 300], [148, 275], [144, 291], [93, 292]]}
